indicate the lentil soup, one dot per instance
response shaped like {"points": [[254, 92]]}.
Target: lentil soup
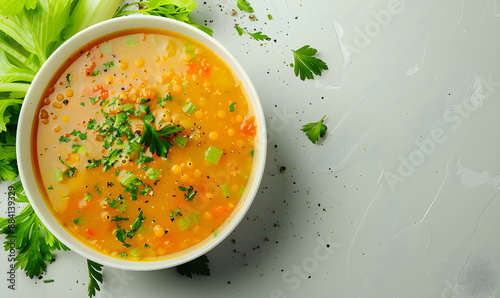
{"points": [[144, 144]]}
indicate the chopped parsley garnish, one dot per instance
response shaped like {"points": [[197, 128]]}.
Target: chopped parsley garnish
{"points": [[232, 107], [64, 139], [174, 213], [108, 65], [121, 234], [136, 225], [158, 140], [117, 218], [92, 124], [93, 163], [190, 192], [77, 220], [79, 134], [305, 64], [315, 130], [71, 170], [163, 100], [111, 158], [68, 79], [94, 99], [113, 204]]}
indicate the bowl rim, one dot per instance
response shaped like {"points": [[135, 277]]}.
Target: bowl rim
{"points": [[27, 116]]}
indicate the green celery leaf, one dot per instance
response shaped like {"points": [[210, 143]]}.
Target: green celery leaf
{"points": [[11, 7], [38, 30]]}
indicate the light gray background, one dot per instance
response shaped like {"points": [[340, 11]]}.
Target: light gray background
{"points": [[399, 200]]}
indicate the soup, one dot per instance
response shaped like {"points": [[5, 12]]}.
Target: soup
{"points": [[144, 144]]}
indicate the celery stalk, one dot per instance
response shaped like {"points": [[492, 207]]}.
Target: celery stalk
{"points": [[90, 12]]}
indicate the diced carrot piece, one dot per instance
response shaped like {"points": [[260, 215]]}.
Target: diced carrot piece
{"points": [[248, 126]]}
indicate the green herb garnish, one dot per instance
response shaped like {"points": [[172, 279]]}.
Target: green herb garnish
{"points": [[315, 130], [305, 64], [158, 140], [243, 5], [95, 277]]}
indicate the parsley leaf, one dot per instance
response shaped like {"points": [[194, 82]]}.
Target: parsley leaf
{"points": [[239, 30], [257, 35], [197, 266], [136, 225], [118, 218], [190, 192], [305, 64], [95, 277], [243, 5], [64, 139], [33, 242], [315, 130], [163, 100], [158, 140], [108, 65], [232, 107]]}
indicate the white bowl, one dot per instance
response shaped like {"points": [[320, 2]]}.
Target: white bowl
{"points": [[25, 139]]}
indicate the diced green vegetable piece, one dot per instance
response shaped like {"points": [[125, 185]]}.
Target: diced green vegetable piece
{"points": [[59, 175], [183, 223], [134, 252], [252, 153], [152, 174], [242, 174], [189, 108], [130, 41], [242, 190], [127, 179], [225, 190], [213, 154], [195, 218], [75, 148], [180, 141]]}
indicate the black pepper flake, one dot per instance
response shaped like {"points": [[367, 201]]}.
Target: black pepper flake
{"points": [[65, 101], [282, 169]]}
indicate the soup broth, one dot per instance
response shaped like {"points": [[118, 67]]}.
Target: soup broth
{"points": [[144, 144]]}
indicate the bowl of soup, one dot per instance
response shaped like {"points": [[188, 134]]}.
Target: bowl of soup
{"points": [[141, 143]]}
